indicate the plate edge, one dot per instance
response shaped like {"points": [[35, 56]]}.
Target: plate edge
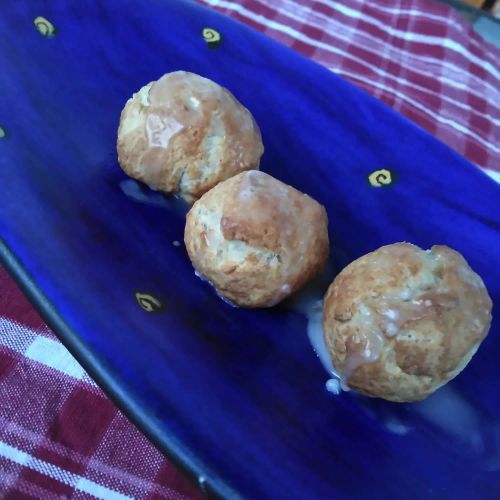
{"points": [[213, 487]]}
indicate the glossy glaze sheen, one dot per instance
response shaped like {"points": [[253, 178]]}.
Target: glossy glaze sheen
{"points": [[237, 396]]}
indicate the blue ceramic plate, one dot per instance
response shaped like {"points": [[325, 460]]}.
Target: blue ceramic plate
{"points": [[236, 396]]}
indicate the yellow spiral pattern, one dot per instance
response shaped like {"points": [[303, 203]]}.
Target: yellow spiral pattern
{"points": [[380, 178], [148, 302], [211, 36], [44, 27]]}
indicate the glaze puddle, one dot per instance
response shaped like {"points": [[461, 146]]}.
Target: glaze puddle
{"points": [[315, 334], [309, 303], [142, 194], [447, 411]]}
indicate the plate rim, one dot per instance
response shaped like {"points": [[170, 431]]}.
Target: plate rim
{"points": [[212, 485]]}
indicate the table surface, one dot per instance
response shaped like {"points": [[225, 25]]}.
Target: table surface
{"points": [[60, 436]]}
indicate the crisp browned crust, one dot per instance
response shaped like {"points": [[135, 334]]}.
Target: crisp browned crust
{"points": [[400, 322], [256, 239], [184, 134]]}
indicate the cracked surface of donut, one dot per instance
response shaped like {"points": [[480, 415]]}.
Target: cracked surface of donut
{"points": [[256, 239], [184, 133], [400, 322]]}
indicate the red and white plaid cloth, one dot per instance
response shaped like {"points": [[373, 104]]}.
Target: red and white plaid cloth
{"points": [[60, 436], [421, 57]]}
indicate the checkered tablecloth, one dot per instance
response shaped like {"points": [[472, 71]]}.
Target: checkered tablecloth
{"points": [[421, 57], [60, 437]]}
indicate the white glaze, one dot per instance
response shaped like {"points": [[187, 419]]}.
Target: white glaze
{"points": [[370, 347], [316, 337], [391, 314], [391, 329], [309, 303], [160, 129], [133, 190], [195, 103], [334, 386]]}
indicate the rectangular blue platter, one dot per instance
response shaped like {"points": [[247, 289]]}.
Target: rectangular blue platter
{"points": [[235, 396]]}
